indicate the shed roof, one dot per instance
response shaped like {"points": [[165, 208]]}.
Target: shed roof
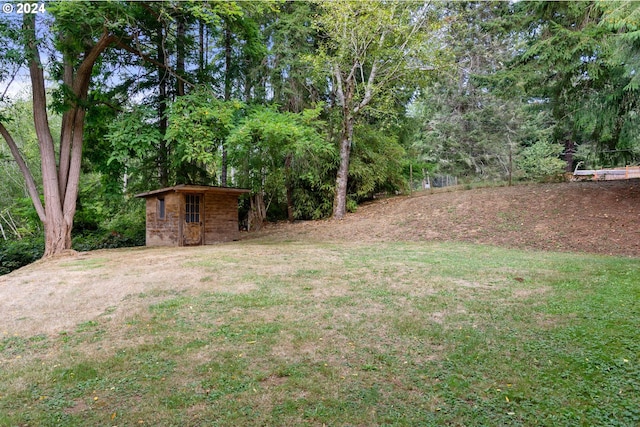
{"points": [[184, 188]]}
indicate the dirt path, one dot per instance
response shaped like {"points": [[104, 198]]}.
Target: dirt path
{"points": [[55, 295]]}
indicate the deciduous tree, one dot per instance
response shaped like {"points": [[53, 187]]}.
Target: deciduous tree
{"points": [[368, 49], [81, 33]]}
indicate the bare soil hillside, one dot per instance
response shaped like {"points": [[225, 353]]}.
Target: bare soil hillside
{"points": [[594, 217]]}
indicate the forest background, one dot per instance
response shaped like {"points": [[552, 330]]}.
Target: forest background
{"points": [[314, 106]]}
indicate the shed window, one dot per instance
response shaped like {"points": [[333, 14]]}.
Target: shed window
{"points": [[161, 211], [192, 208]]}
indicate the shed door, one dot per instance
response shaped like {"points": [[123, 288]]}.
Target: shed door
{"points": [[192, 229]]}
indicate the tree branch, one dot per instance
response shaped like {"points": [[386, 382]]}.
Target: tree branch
{"points": [[368, 92], [339, 89], [26, 173], [13, 77], [41, 120], [83, 75], [65, 131], [149, 59]]}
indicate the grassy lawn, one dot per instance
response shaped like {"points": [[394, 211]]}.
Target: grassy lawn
{"points": [[350, 334]]}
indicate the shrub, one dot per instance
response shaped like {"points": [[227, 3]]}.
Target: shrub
{"points": [[541, 160], [119, 234], [18, 253]]}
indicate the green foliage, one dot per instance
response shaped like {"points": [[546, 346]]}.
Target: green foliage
{"points": [[314, 184], [128, 235], [541, 160], [133, 135], [376, 163], [574, 64], [11, 57], [18, 253], [396, 38], [293, 39], [99, 225], [622, 18], [15, 206], [468, 135], [274, 151], [199, 124], [464, 128]]}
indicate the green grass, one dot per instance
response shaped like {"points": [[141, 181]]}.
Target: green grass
{"points": [[351, 334]]}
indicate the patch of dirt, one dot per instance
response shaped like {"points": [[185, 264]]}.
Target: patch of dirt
{"points": [[56, 295], [593, 217]]}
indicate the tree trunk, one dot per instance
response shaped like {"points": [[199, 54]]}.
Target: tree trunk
{"points": [[257, 212], [340, 198], [227, 93], [289, 186], [59, 183], [163, 152], [180, 59], [57, 236], [569, 149]]}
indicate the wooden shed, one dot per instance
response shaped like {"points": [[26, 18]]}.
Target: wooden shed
{"points": [[189, 215]]}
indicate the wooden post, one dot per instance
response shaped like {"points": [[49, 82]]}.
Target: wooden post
{"points": [[410, 179], [510, 162]]}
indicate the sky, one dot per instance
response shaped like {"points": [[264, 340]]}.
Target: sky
{"points": [[18, 86]]}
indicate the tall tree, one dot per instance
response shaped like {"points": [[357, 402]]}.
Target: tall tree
{"points": [[79, 33], [291, 38], [367, 50], [567, 66], [80, 46], [465, 128]]}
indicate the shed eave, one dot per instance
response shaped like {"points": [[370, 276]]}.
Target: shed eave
{"points": [[184, 188]]}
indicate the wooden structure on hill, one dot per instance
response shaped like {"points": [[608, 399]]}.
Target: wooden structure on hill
{"points": [[627, 172], [189, 215]]}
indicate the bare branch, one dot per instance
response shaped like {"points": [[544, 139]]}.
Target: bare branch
{"points": [[13, 76]]}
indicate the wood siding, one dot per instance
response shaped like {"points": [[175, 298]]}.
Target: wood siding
{"points": [[164, 232], [220, 218]]}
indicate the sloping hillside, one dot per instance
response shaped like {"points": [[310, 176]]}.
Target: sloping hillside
{"points": [[56, 294], [594, 217]]}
